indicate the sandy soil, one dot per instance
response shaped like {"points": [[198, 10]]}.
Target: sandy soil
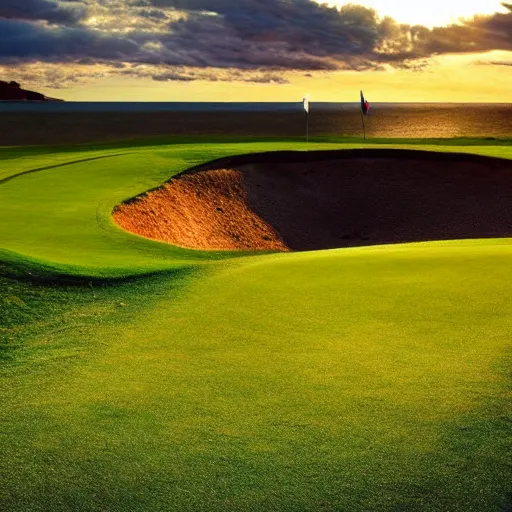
{"points": [[321, 200], [206, 210]]}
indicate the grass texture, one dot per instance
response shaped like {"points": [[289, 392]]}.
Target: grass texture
{"points": [[143, 377]]}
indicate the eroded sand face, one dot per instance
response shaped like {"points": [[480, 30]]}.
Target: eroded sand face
{"points": [[319, 203], [206, 210]]}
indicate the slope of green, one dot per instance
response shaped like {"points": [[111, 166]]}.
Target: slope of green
{"points": [[368, 379]]}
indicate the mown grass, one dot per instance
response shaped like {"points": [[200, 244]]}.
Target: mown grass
{"points": [[371, 379]]}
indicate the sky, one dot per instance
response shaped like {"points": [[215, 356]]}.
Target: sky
{"points": [[259, 50]]}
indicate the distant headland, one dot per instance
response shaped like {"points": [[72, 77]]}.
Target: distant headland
{"points": [[12, 91]]}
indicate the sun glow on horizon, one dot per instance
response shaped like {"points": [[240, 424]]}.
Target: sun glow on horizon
{"points": [[462, 78], [429, 14]]}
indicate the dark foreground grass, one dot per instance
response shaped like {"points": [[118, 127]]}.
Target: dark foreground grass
{"points": [[141, 377]]}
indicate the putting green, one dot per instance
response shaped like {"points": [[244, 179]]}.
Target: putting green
{"points": [[359, 379]]}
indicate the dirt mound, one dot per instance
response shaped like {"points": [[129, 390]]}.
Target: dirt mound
{"points": [[319, 200]]}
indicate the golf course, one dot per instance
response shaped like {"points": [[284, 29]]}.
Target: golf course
{"points": [[358, 371]]}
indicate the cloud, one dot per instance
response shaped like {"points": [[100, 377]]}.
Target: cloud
{"points": [[171, 76], [29, 41], [41, 10], [301, 34], [56, 75], [299, 25], [272, 34], [156, 14], [255, 36], [231, 75], [479, 34]]}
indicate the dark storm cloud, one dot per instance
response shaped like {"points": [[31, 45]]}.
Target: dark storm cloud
{"points": [[204, 40], [270, 31], [29, 41], [249, 34], [41, 10], [232, 34], [301, 25]]}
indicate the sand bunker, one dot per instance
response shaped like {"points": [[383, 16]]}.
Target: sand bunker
{"points": [[326, 199]]}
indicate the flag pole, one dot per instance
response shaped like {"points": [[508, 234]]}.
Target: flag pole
{"points": [[364, 129], [307, 127], [305, 104]]}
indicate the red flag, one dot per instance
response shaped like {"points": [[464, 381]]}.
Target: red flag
{"points": [[365, 106]]}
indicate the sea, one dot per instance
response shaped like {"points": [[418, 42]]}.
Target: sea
{"points": [[417, 120]]}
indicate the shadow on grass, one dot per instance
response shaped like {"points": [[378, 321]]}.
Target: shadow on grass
{"points": [[28, 270], [47, 312], [156, 141]]}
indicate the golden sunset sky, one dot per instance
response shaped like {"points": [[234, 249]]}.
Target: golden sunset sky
{"points": [[249, 50], [429, 13]]}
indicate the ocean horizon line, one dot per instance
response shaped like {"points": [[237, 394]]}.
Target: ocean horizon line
{"points": [[22, 102]]}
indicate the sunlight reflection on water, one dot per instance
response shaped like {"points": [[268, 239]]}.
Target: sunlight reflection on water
{"points": [[417, 120], [425, 121]]}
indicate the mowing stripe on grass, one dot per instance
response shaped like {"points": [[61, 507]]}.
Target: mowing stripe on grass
{"points": [[9, 178]]}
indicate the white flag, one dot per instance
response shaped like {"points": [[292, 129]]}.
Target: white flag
{"points": [[306, 103]]}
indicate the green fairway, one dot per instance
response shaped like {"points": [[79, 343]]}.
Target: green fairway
{"points": [[138, 376]]}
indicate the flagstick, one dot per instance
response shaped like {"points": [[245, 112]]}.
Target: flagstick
{"points": [[307, 127], [364, 129], [305, 103]]}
